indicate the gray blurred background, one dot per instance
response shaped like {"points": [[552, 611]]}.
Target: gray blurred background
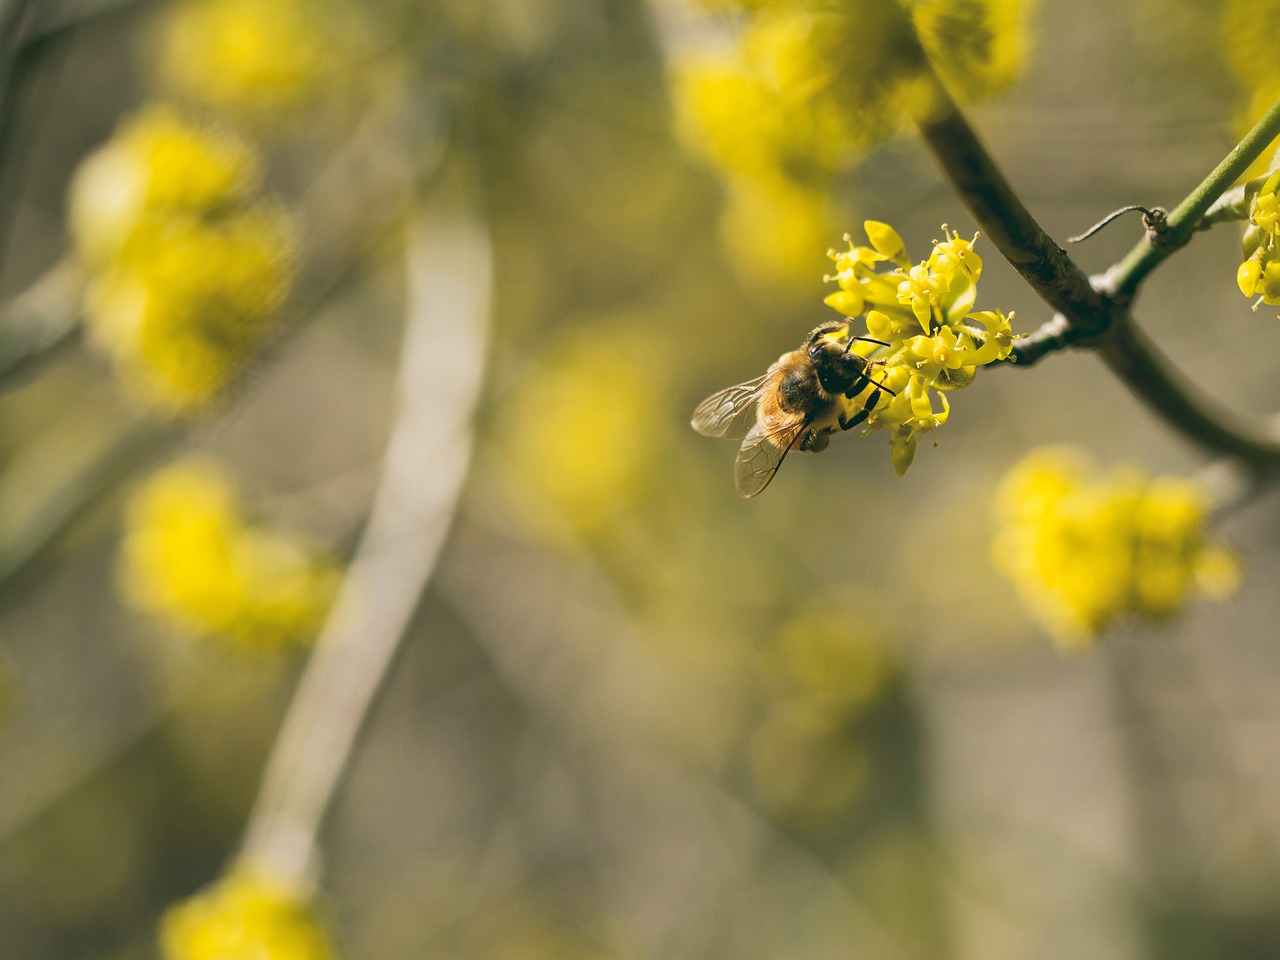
{"points": [[637, 717]]}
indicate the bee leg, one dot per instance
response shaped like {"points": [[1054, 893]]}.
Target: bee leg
{"points": [[888, 390], [859, 384], [869, 405], [814, 441]]}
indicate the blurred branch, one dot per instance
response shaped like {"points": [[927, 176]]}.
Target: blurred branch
{"points": [[39, 322], [26, 56], [135, 443], [78, 13], [426, 461]]}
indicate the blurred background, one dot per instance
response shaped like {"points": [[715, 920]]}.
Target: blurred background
{"points": [[634, 716]]}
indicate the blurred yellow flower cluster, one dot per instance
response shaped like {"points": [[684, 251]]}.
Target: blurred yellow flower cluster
{"points": [[1085, 549], [757, 113], [190, 558], [255, 60], [1259, 274], [244, 916], [1248, 41], [805, 88], [805, 758], [924, 313], [979, 46], [585, 442], [186, 268]]}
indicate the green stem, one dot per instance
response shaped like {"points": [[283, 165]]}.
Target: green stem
{"points": [[1128, 274]]}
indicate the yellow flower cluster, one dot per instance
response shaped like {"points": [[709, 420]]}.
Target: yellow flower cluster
{"points": [[588, 450], [804, 758], [1248, 41], [806, 88], [924, 313], [1259, 275], [244, 916], [190, 558], [186, 269], [979, 46], [255, 60], [1085, 549], [776, 148]]}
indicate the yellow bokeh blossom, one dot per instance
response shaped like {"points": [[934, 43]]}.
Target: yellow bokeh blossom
{"points": [[186, 268], [979, 46], [190, 558], [807, 86], [159, 164], [935, 342], [187, 303], [585, 438], [1085, 549], [255, 60], [244, 916], [1248, 43]]}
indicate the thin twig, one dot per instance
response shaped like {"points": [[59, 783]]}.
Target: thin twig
{"points": [[137, 441], [1128, 274], [1155, 220], [426, 462]]}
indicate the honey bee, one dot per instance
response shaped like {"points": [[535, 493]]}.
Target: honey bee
{"points": [[797, 403]]}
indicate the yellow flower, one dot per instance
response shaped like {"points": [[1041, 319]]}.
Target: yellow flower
{"points": [[978, 45], [185, 270], [244, 916], [1248, 41], [187, 303], [189, 558], [253, 59], [1268, 285], [590, 447], [159, 163], [1085, 549], [935, 295], [1249, 276]]}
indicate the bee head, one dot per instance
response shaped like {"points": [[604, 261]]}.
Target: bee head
{"points": [[837, 366]]}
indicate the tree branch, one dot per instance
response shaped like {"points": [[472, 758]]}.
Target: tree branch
{"points": [[1099, 316], [1001, 215], [426, 463]]}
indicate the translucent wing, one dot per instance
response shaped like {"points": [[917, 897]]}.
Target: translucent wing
{"points": [[761, 455], [731, 412]]}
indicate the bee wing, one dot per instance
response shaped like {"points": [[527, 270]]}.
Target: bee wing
{"points": [[761, 455], [730, 412]]}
